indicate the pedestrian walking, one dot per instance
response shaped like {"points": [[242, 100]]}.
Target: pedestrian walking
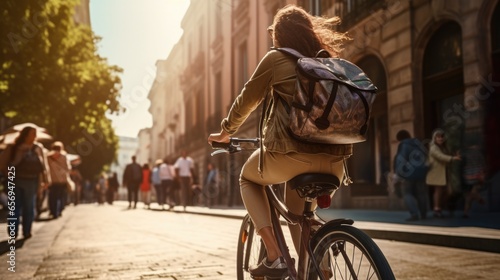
{"points": [[132, 178], [76, 177], [210, 186], [113, 185], [88, 191], [146, 185], [474, 176], [184, 167], [28, 161], [166, 191], [155, 177], [101, 188], [410, 168], [60, 174], [437, 176]]}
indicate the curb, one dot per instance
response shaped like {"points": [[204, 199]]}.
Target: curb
{"points": [[484, 244], [476, 243]]}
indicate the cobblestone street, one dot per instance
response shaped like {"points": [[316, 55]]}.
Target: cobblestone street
{"points": [[112, 242]]}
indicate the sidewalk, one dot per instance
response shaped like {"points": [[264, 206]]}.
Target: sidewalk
{"points": [[479, 232]]}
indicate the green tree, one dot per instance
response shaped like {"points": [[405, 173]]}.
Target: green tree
{"points": [[52, 75]]}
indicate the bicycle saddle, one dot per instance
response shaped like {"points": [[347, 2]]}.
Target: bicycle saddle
{"points": [[312, 184]]}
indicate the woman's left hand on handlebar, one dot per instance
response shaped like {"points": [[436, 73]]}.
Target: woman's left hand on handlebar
{"points": [[222, 137]]}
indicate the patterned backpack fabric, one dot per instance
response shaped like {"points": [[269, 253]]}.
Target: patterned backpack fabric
{"points": [[332, 101]]}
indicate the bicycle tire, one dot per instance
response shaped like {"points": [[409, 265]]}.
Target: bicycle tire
{"points": [[250, 250], [350, 252]]}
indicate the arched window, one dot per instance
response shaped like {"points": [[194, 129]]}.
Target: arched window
{"points": [[370, 163], [443, 83]]}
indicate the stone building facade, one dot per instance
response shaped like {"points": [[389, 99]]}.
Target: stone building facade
{"points": [[436, 64]]}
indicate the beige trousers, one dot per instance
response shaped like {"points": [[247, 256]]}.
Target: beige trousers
{"points": [[279, 168]]}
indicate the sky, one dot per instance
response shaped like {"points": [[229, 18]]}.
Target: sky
{"points": [[135, 34]]}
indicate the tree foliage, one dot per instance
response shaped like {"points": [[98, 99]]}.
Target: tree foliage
{"points": [[51, 75]]}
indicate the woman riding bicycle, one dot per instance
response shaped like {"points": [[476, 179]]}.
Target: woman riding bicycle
{"points": [[281, 157]]}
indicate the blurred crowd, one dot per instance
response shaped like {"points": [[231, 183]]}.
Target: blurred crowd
{"points": [[38, 183]]}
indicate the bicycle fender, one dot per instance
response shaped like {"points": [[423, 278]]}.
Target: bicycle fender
{"points": [[334, 223], [339, 222]]}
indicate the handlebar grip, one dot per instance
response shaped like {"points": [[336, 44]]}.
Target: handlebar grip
{"points": [[220, 145]]}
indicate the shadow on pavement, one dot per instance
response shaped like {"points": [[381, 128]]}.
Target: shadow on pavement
{"points": [[5, 246]]}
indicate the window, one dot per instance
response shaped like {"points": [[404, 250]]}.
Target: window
{"points": [[444, 50], [218, 22], [350, 11], [218, 98], [200, 109]]}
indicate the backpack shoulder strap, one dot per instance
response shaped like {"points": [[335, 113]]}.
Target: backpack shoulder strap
{"points": [[290, 52]]}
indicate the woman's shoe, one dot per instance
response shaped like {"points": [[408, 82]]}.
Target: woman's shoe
{"points": [[274, 270]]}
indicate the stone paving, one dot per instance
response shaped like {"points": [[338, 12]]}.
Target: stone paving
{"points": [[111, 242]]}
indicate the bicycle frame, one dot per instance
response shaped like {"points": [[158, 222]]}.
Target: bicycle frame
{"points": [[306, 221]]}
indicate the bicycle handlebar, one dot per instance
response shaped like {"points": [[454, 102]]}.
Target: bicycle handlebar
{"points": [[233, 146]]}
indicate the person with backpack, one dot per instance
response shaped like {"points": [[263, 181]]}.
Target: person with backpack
{"points": [[281, 156], [26, 163], [410, 167], [132, 179]]}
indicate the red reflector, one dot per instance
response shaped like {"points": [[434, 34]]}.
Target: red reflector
{"points": [[324, 201]]}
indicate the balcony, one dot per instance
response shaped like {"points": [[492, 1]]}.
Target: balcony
{"points": [[194, 70], [353, 11]]}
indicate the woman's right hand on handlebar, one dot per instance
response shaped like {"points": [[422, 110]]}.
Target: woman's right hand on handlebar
{"points": [[222, 137]]}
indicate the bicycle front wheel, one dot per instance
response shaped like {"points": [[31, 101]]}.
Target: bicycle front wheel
{"points": [[250, 250], [345, 252]]}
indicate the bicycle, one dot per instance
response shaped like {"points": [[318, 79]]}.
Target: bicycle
{"points": [[338, 249]]}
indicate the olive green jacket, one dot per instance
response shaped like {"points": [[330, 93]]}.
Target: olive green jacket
{"points": [[275, 74]]}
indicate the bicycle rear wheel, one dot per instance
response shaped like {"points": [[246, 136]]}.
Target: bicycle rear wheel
{"points": [[250, 250], [345, 252]]}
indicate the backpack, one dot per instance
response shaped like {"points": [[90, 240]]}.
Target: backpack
{"points": [[332, 100], [30, 165], [410, 162]]}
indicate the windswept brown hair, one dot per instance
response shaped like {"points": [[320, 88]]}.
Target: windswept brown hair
{"points": [[295, 28]]}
